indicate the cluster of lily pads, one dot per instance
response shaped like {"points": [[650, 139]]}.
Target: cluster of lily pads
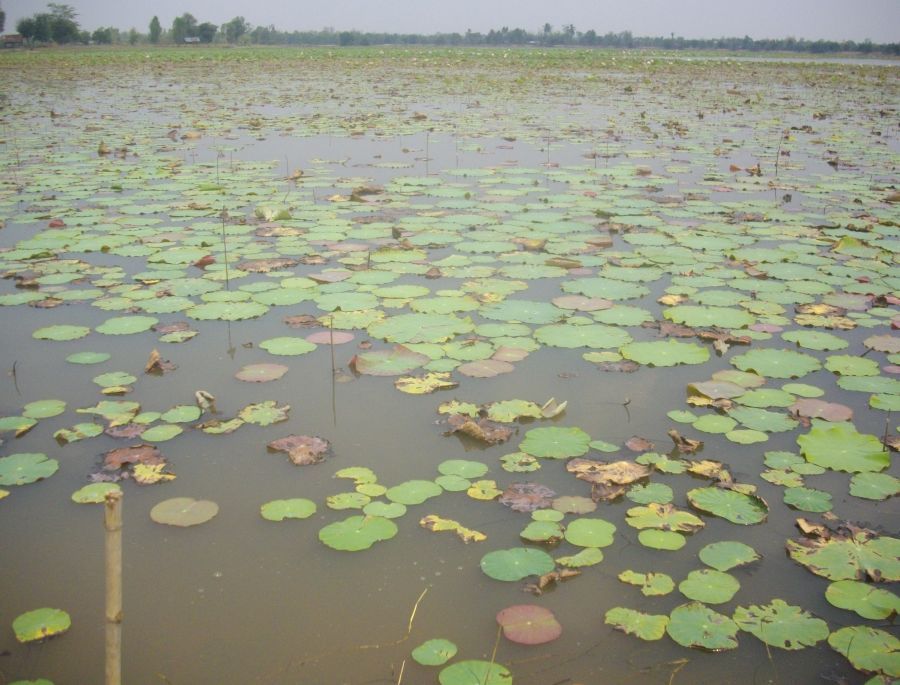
{"points": [[650, 246]]}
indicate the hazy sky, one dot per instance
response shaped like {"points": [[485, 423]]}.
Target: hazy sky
{"points": [[878, 20]]}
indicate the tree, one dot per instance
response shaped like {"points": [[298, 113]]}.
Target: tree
{"points": [[155, 30], [235, 28], [102, 36], [2, 20], [184, 26], [133, 36], [206, 32]]}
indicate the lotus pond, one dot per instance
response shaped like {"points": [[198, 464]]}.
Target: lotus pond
{"points": [[450, 366]]}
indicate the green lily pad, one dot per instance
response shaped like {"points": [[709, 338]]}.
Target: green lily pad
{"points": [[287, 346], [709, 586], [869, 649], [774, 363], [388, 510], [475, 672], [662, 539], [508, 411], [394, 362], [181, 413], [80, 431], [723, 317], [731, 505], [644, 626], [839, 446], [420, 328], [347, 500], [88, 357], [40, 624], [227, 311], [435, 652], [127, 325], [519, 462], [60, 332], [655, 493], [25, 468], [815, 340], [714, 423], [161, 433], [516, 564], [850, 365], [264, 413], [463, 468], [184, 511], [280, 509], [865, 599], [856, 554], [357, 533], [43, 409], [542, 531], [695, 625], [413, 492], [590, 532], [727, 554], [663, 517], [651, 584], [665, 353], [807, 499], [453, 483], [781, 625], [596, 336], [763, 420], [556, 442], [588, 556], [874, 486], [95, 493]]}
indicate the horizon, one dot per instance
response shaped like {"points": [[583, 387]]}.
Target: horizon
{"points": [[811, 20]]}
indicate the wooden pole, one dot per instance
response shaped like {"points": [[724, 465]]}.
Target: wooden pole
{"points": [[113, 521]]}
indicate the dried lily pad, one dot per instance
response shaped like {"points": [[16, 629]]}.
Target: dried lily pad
{"points": [[302, 450]]}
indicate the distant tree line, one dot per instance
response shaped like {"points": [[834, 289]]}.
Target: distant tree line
{"points": [[59, 25]]}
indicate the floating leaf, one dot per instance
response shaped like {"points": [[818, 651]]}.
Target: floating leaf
{"points": [[437, 524], [95, 493], [40, 624], [529, 624], [182, 413], [695, 625], [590, 532], [651, 584], [435, 652], [303, 450], [61, 332], [88, 357], [726, 555], [839, 446], [161, 433], [709, 586], [662, 539], [413, 492], [394, 362], [516, 564], [184, 511], [852, 554], [849, 365], [423, 385], [287, 346], [126, 325], [869, 649], [463, 468], [663, 517], [43, 409], [508, 411], [866, 600], [474, 672], [357, 533], [874, 486], [781, 625], [25, 468], [644, 626], [588, 556], [774, 363], [527, 497], [280, 509], [485, 490], [555, 442], [264, 413], [807, 499], [485, 368], [261, 373], [731, 505], [665, 353]]}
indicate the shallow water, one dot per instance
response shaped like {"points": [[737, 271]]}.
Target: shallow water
{"points": [[244, 600]]}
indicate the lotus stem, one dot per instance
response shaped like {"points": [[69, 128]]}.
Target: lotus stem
{"points": [[113, 524]]}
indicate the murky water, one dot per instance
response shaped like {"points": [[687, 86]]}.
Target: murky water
{"points": [[244, 600]]}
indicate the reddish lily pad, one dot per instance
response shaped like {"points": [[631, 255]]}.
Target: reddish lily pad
{"points": [[302, 450], [261, 373], [529, 624]]}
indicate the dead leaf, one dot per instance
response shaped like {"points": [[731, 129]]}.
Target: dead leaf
{"points": [[639, 444], [484, 430], [527, 497], [302, 450], [684, 445], [136, 454], [205, 400]]}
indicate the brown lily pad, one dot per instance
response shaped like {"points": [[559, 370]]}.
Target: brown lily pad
{"points": [[485, 368], [484, 430], [136, 454], [820, 409], [330, 337], [527, 497], [302, 450]]}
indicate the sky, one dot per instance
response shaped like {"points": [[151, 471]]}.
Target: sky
{"points": [[878, 20]]}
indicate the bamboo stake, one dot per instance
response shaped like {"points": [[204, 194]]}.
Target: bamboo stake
{"points": [[113, 521]]}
